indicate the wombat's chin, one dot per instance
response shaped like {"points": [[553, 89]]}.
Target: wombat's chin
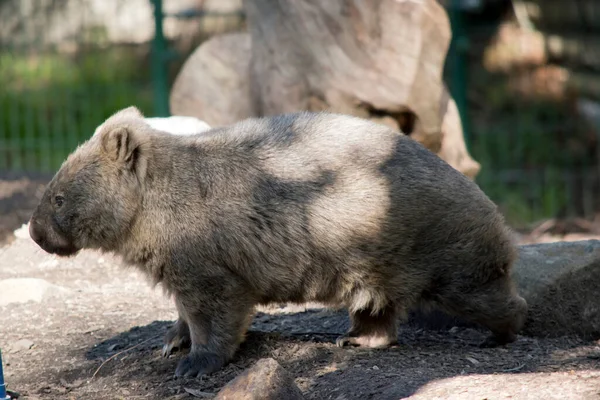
{"points": [[67, 253], [62, 251]]}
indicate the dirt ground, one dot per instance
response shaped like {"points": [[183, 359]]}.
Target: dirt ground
{"points": [[97, 334]]}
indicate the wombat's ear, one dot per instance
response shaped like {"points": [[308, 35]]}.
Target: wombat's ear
{"points": [[120, 145]]}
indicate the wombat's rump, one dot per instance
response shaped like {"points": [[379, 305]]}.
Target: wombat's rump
{"points": [[293, 208]]}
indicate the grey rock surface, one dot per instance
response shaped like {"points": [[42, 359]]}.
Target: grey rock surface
{"points": [[560, 283]]}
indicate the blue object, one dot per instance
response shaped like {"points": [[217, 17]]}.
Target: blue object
{"points": [[3, 395]]}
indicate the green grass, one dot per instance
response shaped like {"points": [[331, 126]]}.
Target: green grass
{"points": [[527, 147], [49, 103]]}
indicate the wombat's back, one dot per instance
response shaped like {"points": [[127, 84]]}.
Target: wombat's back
{"points": [[315, 195], [378, 183]]}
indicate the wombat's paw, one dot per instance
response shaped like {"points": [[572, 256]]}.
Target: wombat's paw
{"points": [[197, 364], [373, 342], [174, 341]]}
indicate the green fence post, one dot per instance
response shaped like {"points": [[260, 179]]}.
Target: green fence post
{"points": [[159, 64], [3, 394]]}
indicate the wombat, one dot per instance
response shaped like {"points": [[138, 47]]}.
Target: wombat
{"points": [[291, 208]]}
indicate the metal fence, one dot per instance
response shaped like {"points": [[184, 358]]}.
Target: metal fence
{"points": [[528, 88], [527, 123], [54, 91], [65, 66]]}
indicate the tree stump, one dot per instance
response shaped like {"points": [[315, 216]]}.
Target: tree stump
{"points": [[213, 84], [380, 60]]}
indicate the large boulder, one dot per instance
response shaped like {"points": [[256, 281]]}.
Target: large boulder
{"points": [[213, 84], [560, 283]]}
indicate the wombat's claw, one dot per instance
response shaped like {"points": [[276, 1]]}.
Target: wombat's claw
{"points": [[197, 364], [168, 349], [173, 346], [175, 341], [367, 341], [344, 341]]}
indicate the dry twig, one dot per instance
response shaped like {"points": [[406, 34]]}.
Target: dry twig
{"points": [[121, 352]]}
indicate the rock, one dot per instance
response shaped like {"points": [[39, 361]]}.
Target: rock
{"points": [[560, 283], [178, 125], [175, 124], [213, 84], [266, 380], [22, 290], [21, 345]]}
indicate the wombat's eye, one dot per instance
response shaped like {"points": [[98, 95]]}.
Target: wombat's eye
{"points": [[59, 200]]}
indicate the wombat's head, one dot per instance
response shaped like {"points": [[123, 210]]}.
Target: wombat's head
{"points": [[94, 197]]}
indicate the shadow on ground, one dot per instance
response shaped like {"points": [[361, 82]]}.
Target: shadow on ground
{"points": [[303, 343]]}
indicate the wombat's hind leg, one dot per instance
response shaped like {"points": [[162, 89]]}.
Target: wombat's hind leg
{"points": [[376, 330], [176, 338]]}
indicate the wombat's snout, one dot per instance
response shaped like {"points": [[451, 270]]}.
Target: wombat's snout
{"points": [[50, 242], [35, 232]]}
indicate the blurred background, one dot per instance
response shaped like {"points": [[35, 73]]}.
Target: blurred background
{"points": [[524, 75]]}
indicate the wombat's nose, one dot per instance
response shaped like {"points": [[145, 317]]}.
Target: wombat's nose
{"points": [[35, 232]]}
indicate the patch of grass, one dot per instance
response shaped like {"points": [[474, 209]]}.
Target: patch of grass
{"points": [[51, 102], [528, 148]]}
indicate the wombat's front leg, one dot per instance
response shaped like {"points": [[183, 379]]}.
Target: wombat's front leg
{"points": [[217, 326], [177, 338]]}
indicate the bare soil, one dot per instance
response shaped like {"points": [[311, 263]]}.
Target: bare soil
{"points": [[97, 334]]}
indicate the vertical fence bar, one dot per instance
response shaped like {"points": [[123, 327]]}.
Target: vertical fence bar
{"points": [[3, 395], [30, 128], [159, 66], [71, 121], [14, 135], [64, 124], [31, 96], [44, 145], [5, 145], [58, 131]]}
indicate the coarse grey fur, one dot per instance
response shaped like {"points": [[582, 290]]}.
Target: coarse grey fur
{"points": [[292, 208]]}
